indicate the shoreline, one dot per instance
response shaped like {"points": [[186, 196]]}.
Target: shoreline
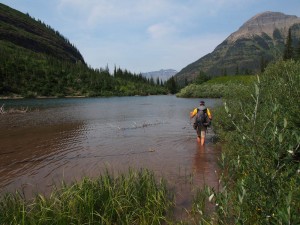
{"points": [[39, 97], [70, 96]]}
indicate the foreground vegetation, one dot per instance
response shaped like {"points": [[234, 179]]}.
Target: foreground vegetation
{"points": [[216, 87], [135, 198], [260, 160]]}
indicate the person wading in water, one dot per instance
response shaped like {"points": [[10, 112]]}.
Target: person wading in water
{"points": [[203, 119]]}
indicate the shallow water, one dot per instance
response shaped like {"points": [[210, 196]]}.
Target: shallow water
{"points": [[66, 139]]}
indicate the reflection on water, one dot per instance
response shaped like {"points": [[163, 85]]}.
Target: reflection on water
{"points": [[205, 165], [65, 139]]}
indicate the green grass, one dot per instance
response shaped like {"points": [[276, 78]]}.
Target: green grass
{"points": [[134, 198]]}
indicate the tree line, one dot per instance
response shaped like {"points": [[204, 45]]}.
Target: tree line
{"points": [[291, 52], [31, 66], [29, 74]]}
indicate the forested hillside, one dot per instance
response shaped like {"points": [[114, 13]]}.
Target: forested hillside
{"points": [[38, 61], [24, 31]]}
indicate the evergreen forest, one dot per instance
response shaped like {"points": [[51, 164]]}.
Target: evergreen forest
{"points": [[36, 60], [29, 74]]}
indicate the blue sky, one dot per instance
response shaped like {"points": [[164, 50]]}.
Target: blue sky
{"points": [[147, 35]]}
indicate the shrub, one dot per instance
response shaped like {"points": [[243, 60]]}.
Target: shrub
{"points": [[217, 87], [260, 160]]}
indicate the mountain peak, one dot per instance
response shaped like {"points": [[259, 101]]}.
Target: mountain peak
{"points": [[257, 42], [163, 74], [265, 22]]}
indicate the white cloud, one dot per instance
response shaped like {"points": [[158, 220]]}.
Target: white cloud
{"points": [[109, 11], [161, 30]]}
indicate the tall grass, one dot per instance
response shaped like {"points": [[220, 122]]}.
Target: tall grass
{"points": [[216, 87], [135, 198], [260, 130]]}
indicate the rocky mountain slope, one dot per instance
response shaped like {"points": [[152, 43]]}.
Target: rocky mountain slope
{"points": [[23, 31], [260, 39]]}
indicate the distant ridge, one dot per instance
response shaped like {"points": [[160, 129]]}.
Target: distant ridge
{"points": [[161, 74], [260, 39]]}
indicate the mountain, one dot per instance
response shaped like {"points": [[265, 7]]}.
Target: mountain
{"points": [[23, 31], [258, 41], [161, 74]]}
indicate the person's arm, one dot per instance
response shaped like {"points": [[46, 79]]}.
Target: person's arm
{"points": [[193, 113], [209, 114]]}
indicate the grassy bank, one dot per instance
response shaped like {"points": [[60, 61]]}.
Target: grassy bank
{"points": [[216, 87], [260, 163], [135, 198]]}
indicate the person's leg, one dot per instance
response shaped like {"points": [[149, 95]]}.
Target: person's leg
{"points": [[203, 136], [198, 134]]}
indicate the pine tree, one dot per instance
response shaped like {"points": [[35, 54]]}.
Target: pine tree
{"points": [[157, 81], [288, 51], [225, 72], [237, 70], [186, 82], [297, 53], [201, 78], [171, 85], [263, 64]]}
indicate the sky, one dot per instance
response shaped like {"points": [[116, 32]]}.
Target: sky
{"points": [[147, 35]]}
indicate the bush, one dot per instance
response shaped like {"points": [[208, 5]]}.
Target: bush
{"points": [[217, 87], [260, 160]]}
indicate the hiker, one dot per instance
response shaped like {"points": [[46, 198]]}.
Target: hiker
{"points": [[203, 119]]}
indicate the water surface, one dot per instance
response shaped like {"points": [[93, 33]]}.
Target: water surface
{"points": [[66, 139]]}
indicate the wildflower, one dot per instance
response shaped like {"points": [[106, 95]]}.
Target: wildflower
{"points": [[211, 197], [291, 152]]}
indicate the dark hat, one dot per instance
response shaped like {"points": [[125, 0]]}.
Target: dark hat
{"points": [[202, 103]]}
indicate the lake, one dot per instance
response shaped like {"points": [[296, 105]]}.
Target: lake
{"points": [[68, 138]]}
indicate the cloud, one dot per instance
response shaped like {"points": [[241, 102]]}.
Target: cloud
{"points": [[95, 12], [161, 30], [141, 34]]}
